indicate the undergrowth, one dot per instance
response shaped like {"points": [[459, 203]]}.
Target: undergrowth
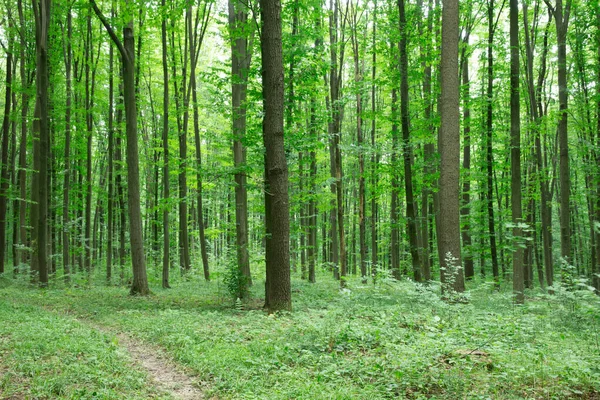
{"points": [[390, 340]]}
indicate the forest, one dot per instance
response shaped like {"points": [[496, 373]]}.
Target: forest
{"points": [[300, 199]]}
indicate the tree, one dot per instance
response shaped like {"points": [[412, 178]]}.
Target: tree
{"points": [[411, 217], [165, 141], [41, 10], [4, 147], [561, 18], [515, 152], [241, 55], [277, 254], [127, 51], [449, 148]]}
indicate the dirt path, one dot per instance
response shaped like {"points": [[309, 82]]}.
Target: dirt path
{"points": [[167, 376]]}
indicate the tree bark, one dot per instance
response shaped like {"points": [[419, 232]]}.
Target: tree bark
{"points": [[240, 63], [166, 262], [411, 215], [278, 286], [139, 285], [449, 146], [5, 134], [42, 11], [515, 154]]}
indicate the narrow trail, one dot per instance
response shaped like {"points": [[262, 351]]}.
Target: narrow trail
{"points": [[162, 370]]}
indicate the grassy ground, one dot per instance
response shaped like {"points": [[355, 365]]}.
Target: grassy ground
{"points": [[393, 340]]}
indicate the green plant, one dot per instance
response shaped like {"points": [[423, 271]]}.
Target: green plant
{"points": [[236, 282]]}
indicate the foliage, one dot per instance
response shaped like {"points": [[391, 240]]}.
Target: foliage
{"points": [[236, 282], [397, 339]]}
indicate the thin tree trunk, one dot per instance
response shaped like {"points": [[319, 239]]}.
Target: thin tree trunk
{"points": [[394, 213], [515, 153], [42, 20], [411, 215], [111, 140], [489, 140], [127, 50], [374, 158], [166, 264], [561, 19], [5, 134], [195, 45]]}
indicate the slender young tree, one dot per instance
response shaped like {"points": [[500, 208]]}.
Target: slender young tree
{"points": [[5, 133], [277, 255], [411, 215], [241, 55], [515, 153], [126, 48], [196, 39], [67, 154], [561, 14], [41, 11], [166, 262]]}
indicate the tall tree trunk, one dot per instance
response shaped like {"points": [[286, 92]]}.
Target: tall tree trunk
{"points": [[88, 122], [429, 148], [358, 77], [166, 264], [127, 50], [111, 141], [394, 212], [240, 63], [22, 178], [561, 19], [515, 153], [536, 112], [489, 141], [67, 155], [411, 215], [596, 267], [196, 40], [374, 158], [312, 201], [449, 146], [277, 287], [42, 20], [5, 134], [465, 210]]}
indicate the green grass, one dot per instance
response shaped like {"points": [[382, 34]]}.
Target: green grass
{"points": [[394, 340], [45, 355]]}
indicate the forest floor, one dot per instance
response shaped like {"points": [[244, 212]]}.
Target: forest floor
{"points": [[390, 340]]}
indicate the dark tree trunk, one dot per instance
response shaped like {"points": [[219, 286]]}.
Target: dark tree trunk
{"points": [[489, 140], [358, 77], [127, 50], [22, 175], [277, 286], [241, 47], [42, 20], [374, 158], [67, 167], [561, 19], [88, 122], [166, 264], [196, 40], [394, 212], [411, 215], [5, 134], [515, 153]]}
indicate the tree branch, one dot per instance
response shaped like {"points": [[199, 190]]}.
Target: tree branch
{"points": [[110, 30]]}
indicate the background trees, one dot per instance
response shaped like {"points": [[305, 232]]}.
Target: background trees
{"points": [[360, 130]]}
